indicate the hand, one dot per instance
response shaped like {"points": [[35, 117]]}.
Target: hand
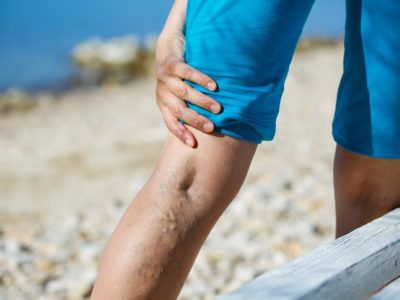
{"points": [[171, 70]]}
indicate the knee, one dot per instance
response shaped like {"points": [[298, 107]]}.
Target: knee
{"points": [[177, 197], [176, 180], [200, 183], [174, 185]]}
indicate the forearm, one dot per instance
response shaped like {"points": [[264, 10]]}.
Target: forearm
{"points": [[175, 22], [171, 38]]}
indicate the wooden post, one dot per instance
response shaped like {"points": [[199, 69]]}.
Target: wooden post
{"points": [[351, 267]]}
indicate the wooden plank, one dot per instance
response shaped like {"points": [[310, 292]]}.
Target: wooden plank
{"points": [[389, 292], [350, 267]]}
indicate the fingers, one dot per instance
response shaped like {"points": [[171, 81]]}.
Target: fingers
{"points": [[179, 110], [177, 128], [171, 90], [183, 90], [182, 70]]}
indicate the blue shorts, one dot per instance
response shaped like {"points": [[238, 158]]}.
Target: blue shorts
{"points": [[247, 47]]}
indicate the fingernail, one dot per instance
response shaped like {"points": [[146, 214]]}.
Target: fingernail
{"points": [[210, 85], [214, 108], [189, 142], [207, 126]]}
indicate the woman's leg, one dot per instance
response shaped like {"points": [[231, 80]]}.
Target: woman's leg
{"points": [[158, 238], [365, 188]]}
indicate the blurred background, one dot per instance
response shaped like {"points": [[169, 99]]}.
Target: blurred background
{"points": [[38, 40], [80, 133]]}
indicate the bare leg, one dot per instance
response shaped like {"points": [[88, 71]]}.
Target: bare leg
{"points": [[365, 189], [155, 243]]}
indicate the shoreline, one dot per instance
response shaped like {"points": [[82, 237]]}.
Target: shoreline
{"points": [[58, 87]]}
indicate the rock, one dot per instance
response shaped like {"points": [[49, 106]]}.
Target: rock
{"points": [[115, 60], [115, 52], [16, 100]]}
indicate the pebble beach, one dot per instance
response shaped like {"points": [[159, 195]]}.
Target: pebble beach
{"points": [[71, 163]]}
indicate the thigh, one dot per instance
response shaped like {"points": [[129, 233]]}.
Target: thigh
{"points": [[246, 47], [367, 116]]}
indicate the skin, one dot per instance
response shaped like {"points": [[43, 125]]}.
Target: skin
{"points": [[155, 244]]}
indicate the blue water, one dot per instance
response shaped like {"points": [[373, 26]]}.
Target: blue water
{"points": [[36, 37]]}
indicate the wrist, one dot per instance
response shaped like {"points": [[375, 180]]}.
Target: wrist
{"points": [[170, 43], [168, 35]]}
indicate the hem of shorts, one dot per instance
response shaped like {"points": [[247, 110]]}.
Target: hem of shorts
{"points": [[236, 135], [359, 150]]}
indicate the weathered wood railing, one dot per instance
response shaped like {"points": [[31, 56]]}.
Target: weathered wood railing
{"points": [[362, 264]]}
